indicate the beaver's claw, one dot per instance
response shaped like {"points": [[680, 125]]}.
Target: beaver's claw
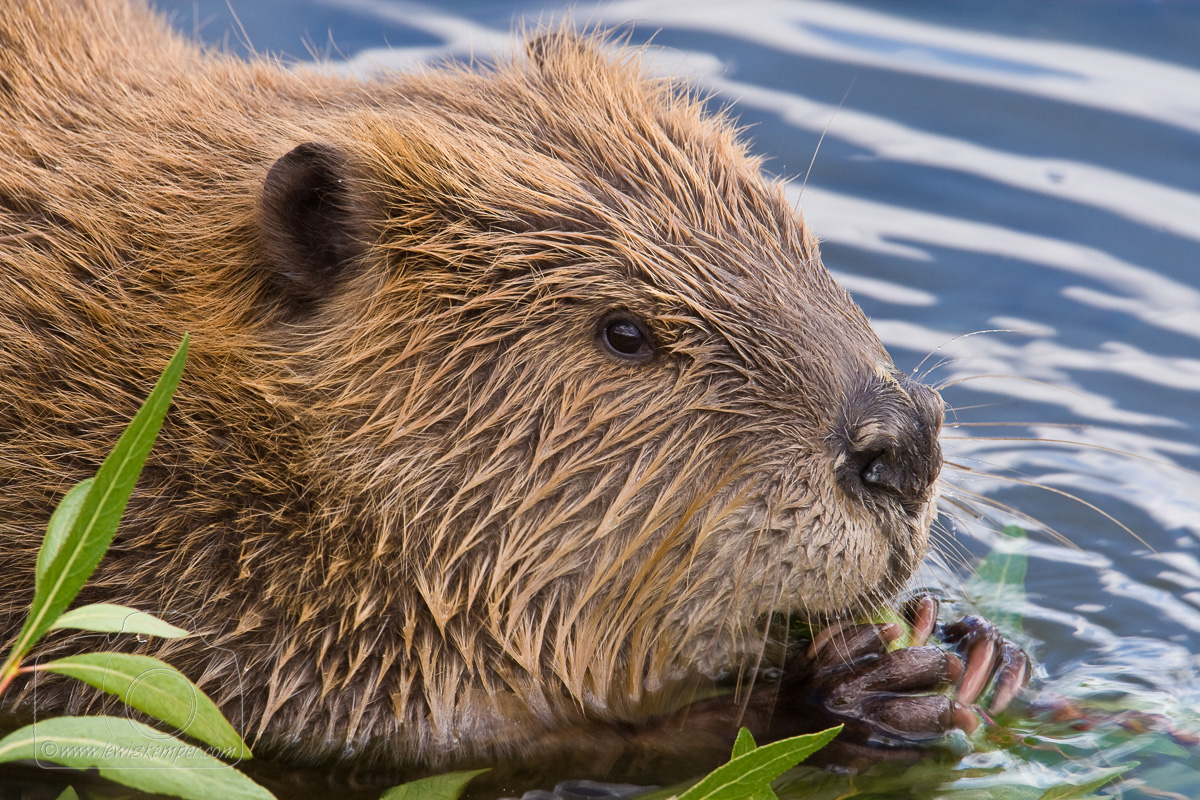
{"points": [[990, 659], [896, 699]]}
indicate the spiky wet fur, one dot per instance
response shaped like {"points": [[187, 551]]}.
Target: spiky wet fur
{"points": [[426, 519]]}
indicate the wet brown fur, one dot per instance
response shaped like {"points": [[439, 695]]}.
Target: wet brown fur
{"points": [[416, 512]]}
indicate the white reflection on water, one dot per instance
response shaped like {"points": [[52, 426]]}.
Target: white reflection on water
{"points": [[1143, 201], [460, 36], [897, 231], [884, 291], [1070, 73]]}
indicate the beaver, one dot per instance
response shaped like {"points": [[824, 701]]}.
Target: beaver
{"points": [[519, 409]]}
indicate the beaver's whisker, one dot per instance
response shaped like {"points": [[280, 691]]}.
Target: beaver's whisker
{"points": [[953, 410], [744, 570], [967, 496], [766, 628], [954, 563], [920, 376], [999, 471], [959, 381], [955, 558], [820, 140], [1073, 425], [941, 363], [1028, 480], [1069, 496], [962, 506], [1088, 445], [947, 547]]}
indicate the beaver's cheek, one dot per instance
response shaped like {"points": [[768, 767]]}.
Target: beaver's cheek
{"points": [[909, 535]]}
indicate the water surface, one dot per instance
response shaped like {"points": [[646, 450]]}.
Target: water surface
{"points": [[1012, 192]]}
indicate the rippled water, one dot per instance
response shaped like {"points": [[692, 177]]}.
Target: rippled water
{"points": [[1029, 175]]}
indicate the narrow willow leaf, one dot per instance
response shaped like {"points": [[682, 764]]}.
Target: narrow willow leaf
{"points": [[1086, 789], [131, 754], [111, 618], [440, 787], [744, 744], [998, 585], [157, 688], [61, 520], [80, 549], [747, 775]]}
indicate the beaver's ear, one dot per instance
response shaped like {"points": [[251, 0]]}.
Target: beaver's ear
{"points": [[313, 229]]}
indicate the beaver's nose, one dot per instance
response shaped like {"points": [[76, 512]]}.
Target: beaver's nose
{"points": [[887, 442]]}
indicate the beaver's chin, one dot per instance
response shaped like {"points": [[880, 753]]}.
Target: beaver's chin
{"points": [[777, 637], [871, 578]]}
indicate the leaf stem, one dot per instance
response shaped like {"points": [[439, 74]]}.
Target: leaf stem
{"points": [[11, 667]]}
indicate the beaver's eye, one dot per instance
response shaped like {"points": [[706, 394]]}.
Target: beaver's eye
{"points": [[625, 337]]}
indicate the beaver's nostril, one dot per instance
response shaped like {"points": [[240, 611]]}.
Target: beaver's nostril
{"points": [[890, 472], [905, 468], [874, 472]]}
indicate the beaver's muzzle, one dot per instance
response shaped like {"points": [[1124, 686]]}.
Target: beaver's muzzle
{"points": [[886, 443]]}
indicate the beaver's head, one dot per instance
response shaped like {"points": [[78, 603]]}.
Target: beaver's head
{"points": [[593, 406]]}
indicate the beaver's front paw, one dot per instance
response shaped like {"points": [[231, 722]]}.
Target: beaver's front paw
{"points": [[884, 698], [892, 703]]}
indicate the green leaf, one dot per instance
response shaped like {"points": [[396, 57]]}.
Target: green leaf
{"points": [[131, 754], [61, 520], [68, 794], [111, 618], [998, 586], [886, 615], [744, 744], [1084, 790], [440, 787], [748, 774], [157, 688], [77, 552], [1005, 565]]}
